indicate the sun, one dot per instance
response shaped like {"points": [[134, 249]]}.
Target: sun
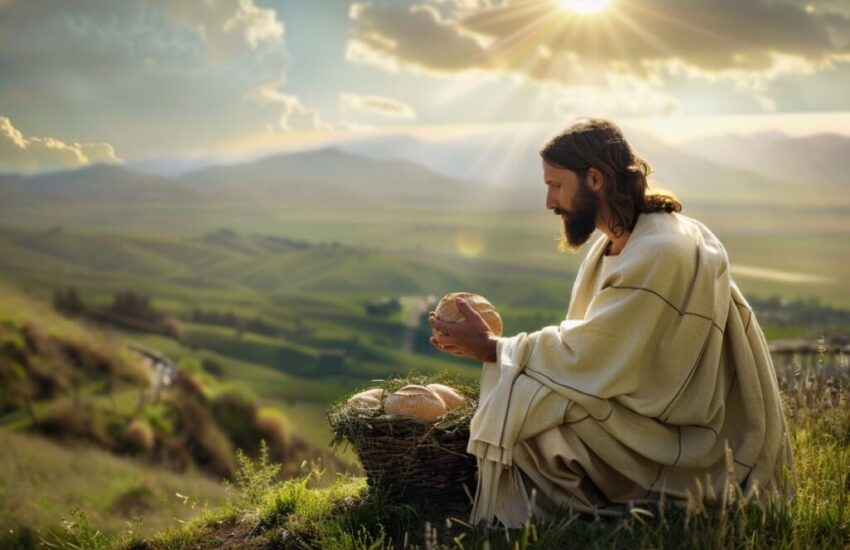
{"points": [[584, 6]]}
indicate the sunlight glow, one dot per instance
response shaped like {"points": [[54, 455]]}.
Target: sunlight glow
{"points": [[584, 6], [470, 244]]}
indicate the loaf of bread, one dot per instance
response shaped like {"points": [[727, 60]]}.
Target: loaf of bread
{"points": [[369, 399], [450, 396], [447, 310], [416, 402]]}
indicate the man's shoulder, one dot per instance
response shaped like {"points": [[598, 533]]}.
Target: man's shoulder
{"points": [[664, 234], [673, 239]]}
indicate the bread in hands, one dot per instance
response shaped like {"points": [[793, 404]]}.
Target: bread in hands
{"points": [[447, 310]]}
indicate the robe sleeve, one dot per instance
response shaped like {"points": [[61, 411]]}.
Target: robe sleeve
{"points": [[641, 337]]}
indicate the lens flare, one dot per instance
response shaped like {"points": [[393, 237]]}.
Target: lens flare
{"points": [[470, 244]]}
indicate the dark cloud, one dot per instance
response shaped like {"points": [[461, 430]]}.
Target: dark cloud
{"points": [[417, 36], [537, 38]]}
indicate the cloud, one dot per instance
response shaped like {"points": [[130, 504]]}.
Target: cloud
{"points": [[295, 117], [229, 27], [384, 106], [539, 40], [150, 77], [32, 154], [418, 37]]}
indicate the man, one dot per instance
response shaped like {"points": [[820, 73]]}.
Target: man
{"points": [[659, 380]]}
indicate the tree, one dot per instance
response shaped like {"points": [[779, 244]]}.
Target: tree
{"points": [[68, 302]]}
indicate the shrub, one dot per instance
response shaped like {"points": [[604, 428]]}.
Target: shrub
{"points": [[139, 436], [273, 430], [70, 420], [204, 440], [212, 367], [236, 414], [253, 481]]}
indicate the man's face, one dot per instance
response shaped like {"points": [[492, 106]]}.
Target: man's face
{"points": [[569, 196]]}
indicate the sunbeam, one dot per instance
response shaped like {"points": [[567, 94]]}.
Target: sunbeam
{"points": [[585, 6]]}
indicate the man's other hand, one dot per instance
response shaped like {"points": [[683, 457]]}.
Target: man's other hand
{"points": [[472, 339]]}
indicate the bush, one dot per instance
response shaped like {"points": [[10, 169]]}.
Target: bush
{"points": [[208, 445], [236, 414], [212, 367], [70, 420], [273, 430], [139, 436]]}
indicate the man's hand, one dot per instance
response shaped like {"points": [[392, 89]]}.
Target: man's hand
{"points": [[472, 339]]}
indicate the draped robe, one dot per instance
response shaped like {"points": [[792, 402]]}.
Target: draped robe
{"points": [[659, 380]]}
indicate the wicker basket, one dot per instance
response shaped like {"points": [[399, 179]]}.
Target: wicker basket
{"points": [[415, 463], [408, 461]]}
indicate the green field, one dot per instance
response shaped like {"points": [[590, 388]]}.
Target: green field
{"points": [[311, 274], [411, 250]]}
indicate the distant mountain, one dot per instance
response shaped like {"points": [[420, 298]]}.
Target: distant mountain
{"points": [[497, 169], [171, 167], [821, 160], [509, 160], [329, 175], [320, 177], [100, 183]]}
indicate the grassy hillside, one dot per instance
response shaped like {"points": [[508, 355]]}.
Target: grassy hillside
{"points": [[348, 515], [43, 482], [74, 383]]}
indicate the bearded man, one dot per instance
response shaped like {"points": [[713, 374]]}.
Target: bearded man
{"points": [[658, 385]]}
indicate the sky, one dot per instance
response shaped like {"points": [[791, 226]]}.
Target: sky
{"points": [[89, 81]]}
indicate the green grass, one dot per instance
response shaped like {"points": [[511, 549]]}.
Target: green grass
{"points": [[299, 513], [43, 481]]}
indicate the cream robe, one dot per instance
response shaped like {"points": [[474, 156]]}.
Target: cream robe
{"points": [[638, 392]]}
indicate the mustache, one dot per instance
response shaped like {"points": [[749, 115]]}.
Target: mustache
{"points": [[559, 211]]}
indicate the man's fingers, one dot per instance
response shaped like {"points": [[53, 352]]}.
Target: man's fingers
{"points": [[442, 346], [440, 326], [469, 312]]}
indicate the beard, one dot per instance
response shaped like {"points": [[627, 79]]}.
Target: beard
{"points": [[581, 222]]}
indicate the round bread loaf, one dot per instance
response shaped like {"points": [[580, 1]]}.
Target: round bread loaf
{"points": [[447, 310], [450, 396], [415, 401], [369, 399]]}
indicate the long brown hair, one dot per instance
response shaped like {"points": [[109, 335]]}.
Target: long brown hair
{"points": [[599, 143]]}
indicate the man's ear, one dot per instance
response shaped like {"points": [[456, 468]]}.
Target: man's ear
{"points": [[595, 179]]}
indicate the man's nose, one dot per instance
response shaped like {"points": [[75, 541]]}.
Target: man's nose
{"points": [[551, 200]]}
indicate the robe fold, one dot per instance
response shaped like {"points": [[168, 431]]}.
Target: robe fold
{"points": [[659, 380]]}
